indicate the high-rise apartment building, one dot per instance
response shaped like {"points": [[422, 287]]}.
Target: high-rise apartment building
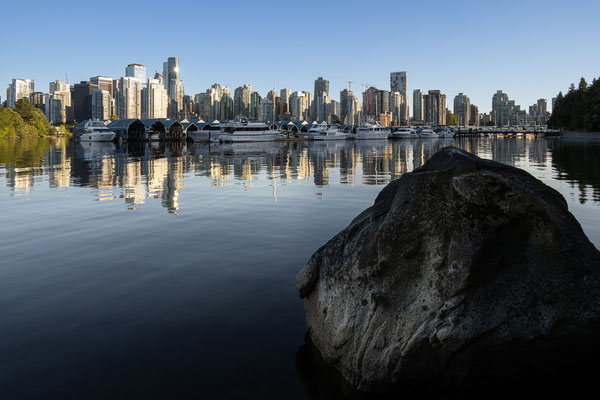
{"points": [[398, 82], [506, 112], [58, 102], [434, 107], [266, 109], [539, 111], [154, 98], [101, 104], [349, 108], [462, 109], [130, 96], [376, 102], [474, 121], [418, 105], [82, 100], [300, 105], [241, 100], [175, 88], [321, 99], [19, 89], [204, 106], [254, 109], [226, 106], [398, 108], [137, 71], [108, 84], [38, 100]]}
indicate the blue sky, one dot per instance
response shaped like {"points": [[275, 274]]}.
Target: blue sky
{"points": [[528, 48]]}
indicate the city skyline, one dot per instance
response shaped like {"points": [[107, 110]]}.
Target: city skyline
{"points": [[522, 57]]}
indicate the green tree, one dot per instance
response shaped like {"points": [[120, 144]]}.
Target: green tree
{"points": [[451, 119], [578, 109], [11, 124], [33, 117]]}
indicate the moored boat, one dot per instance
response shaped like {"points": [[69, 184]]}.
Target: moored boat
{"points": [[371, 130], [328, 132], [96, 131], [242, 130], [405, 133]]}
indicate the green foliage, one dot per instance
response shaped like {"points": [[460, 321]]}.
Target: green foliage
{"points": [[11, 124], [24, 120], [113, 117], [579, 109], [451, 119]]}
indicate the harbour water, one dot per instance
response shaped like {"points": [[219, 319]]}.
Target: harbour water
{"points": [[167, 270]]}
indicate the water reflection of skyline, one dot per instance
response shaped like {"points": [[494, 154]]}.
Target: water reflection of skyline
{"points": [[135, 173]]}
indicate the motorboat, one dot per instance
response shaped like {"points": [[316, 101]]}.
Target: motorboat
{"points": [[328, 132], [96, 131], [426, 133], [405, 132], [443, 133], [371, 130], [242, 129]]}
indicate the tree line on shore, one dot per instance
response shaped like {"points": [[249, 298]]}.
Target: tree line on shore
{"points": [[25, 120], [579, 109]]}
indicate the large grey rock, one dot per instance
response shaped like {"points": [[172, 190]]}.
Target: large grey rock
{"points": [[463, 270]]}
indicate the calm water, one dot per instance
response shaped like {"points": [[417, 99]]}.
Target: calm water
{"points": [[168, 270]]}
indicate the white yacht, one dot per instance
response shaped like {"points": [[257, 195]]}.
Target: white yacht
{"points": [[426, 133], [405, 132], [371, 130], [443, 133], [96, 131], [242, 130], [327, 132]]}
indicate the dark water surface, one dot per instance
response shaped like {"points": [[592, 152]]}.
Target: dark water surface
{"points": [[164, 271]]}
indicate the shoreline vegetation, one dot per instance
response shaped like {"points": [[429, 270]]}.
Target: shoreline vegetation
{"points": [[27, 121], [579, 109]]}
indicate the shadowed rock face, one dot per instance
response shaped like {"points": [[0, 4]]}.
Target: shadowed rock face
{"points": [[464, 270]]}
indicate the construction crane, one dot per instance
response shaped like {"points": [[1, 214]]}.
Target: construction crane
{"points": [[349, 85], [368, 85]]}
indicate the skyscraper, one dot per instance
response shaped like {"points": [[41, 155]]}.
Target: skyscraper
{"points": [[108, 84], [254, 109], [398, 107], [474, 121], [506, 112], [462, 109], [130, 98], [418, 105], [154, 98], [82, 100], [101, 104], [58, 102], [435, 107], [19, 89], [241, 100], [321, 98], [300, 105], [174, 86], [398, 82], [137, 71]]}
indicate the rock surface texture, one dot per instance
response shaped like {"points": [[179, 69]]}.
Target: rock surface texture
{"points": [[463, 270]]}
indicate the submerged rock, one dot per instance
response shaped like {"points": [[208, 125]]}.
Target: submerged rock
{"points": [[464, 270]]}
